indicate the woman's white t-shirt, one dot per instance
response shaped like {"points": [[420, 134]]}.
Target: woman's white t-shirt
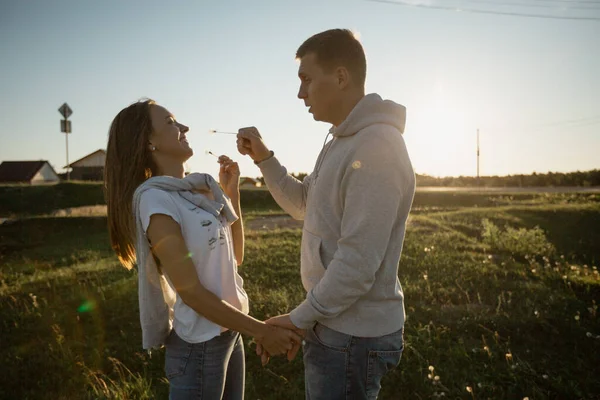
{"points": [[209, 241]]}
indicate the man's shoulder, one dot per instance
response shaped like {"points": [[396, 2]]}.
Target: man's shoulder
{"points": [[377, 135]]}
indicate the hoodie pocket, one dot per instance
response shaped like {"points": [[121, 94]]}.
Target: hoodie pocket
{"points": [[311, 264]]}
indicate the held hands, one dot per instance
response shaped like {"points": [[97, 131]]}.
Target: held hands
{"points": [[282, 322], [229, 175], [249, 142]]}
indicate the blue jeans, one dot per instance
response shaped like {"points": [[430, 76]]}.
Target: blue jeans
{"points": [[214, 369], [338, 366]]}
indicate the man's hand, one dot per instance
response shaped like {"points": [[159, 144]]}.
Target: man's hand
{"points": [[285, 322], [249, 142]]}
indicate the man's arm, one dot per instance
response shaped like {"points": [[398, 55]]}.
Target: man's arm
{"points": [[287, 191]]}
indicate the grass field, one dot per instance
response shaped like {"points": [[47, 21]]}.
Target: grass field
{"points": [[502, 298]]}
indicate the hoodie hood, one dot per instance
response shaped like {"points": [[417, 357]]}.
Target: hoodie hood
{"points": [[371, 110]]}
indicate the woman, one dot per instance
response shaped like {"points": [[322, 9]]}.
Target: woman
{"points": [[186, 237]]}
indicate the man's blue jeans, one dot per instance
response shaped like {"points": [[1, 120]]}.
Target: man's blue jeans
{"points": [[338, 366]]}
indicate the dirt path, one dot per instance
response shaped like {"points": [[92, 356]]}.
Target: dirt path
{"points": [[273, 222]]}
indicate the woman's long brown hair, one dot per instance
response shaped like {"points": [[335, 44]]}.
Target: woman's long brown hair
{"points": [[128, 164]]}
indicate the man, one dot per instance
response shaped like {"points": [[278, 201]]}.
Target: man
{"points": [[355, 205]]}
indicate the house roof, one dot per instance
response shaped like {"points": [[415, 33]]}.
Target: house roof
{"points": [[248, 180], [89, 155], [20, 171]]}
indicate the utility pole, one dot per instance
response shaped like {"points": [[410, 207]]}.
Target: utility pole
{"points": [[478, 157], [65, 126]]}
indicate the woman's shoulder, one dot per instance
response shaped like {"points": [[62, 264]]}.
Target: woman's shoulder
{"points": [[154, 197]]}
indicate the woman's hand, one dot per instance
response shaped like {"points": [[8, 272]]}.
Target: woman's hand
{"points": [[277, 340], [229, 176]]}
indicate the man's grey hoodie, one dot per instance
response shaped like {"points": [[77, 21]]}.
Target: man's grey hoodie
{"points": [[355, 206]]}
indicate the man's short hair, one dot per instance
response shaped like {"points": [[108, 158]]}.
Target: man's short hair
{"points": [[337, 48]]}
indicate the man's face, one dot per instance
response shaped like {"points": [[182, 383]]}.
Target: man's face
{"points": [[318, 88]]}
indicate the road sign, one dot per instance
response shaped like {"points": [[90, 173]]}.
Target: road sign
{"points": [[65, 110], [65, 126]]}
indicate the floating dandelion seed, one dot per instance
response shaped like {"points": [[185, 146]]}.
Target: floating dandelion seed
{"points": [[356, 164], [211, 153], [214, 131]]}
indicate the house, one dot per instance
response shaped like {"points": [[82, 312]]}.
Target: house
{"points": [[89, 168], [249, 183], [32, 172]]}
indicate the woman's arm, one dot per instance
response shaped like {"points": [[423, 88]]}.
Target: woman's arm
{"points": [[237, 229], [229, 177], [170, 248]]}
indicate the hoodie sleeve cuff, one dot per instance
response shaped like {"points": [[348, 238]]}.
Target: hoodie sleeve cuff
{"points": [[272, 170], [271, 155], [304, 316]]}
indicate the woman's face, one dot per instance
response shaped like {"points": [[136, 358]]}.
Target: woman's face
{"points": [[168, 136]]}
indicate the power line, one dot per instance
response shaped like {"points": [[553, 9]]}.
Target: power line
{"points": [[479, 11], [570, 1], [572, 5]]}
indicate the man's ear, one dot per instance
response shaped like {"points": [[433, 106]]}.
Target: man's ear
{"points": [[342, 77]]}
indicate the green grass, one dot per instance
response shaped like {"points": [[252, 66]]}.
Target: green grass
{"points": [[507, 307]]}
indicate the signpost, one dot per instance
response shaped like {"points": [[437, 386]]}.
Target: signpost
{"points": [[65, 126]]}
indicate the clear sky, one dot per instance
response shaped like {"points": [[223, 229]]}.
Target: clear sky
{"points": [[531, 85]]}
